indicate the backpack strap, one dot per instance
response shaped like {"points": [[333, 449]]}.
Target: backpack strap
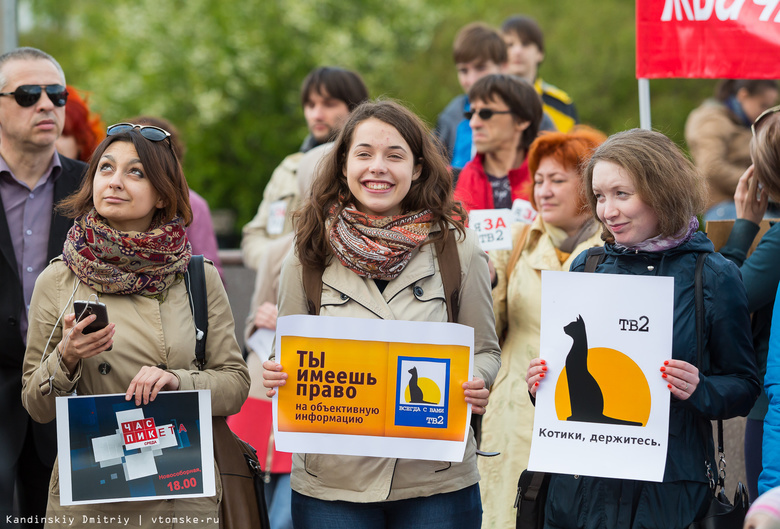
{"points": [[594, 257], [517, 249], [449, 266], [698, 288], [195, 281]]}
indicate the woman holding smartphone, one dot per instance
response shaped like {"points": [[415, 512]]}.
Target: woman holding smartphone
{"points": [[128, 250]]}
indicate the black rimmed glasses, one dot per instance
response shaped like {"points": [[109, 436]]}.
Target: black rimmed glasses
{"points": [[764, 114], [27, 95], [484, 113]]}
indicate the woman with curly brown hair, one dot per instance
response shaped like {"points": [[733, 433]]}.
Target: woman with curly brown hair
{"points": [[381, 199]]}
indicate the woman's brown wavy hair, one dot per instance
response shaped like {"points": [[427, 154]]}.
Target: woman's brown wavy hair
{"points": [[431, 190]]}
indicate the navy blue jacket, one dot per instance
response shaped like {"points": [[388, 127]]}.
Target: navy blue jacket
{"points": [[728, 380], [728, 387]]}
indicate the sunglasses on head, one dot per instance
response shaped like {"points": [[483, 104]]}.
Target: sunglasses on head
{"points": [[150, 132], [764, 114], [485, 113], [27, 95]]}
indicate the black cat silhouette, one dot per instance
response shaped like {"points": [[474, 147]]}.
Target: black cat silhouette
{"points": [[587, 400], [415, 392]]}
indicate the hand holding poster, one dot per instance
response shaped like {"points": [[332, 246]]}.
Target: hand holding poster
{"points": [[356, 388], [603, 408]]}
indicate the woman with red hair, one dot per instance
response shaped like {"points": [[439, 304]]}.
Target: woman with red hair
{"points": [[563, 229], [83, 130]]}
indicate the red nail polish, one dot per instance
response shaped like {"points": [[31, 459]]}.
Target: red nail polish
{"points": [[663, 369], [664, 375], [669, 386], [541, 375], [666, 362], [544, 368], [536, 384], [543, 362]]}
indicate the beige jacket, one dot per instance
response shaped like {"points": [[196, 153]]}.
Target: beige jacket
{"points": [[345, 294], [508, 423], [282, 188], [269, 264], [720, 148], [148, 333]]}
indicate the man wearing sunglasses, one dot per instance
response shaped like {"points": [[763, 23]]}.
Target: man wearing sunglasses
{"points": [[505, 115], [328, 95], [33, 178], [478, 50]]}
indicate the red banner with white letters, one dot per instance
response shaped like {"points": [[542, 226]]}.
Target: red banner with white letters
{"points": [[718, 39]]}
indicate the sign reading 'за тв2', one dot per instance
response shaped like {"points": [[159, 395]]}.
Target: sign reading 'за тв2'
{"points": [[355, 389]]}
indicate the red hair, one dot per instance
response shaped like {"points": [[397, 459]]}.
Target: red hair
{"points": [[571, 149], [85, 127]]}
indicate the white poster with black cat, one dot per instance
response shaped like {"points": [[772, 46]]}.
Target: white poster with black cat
{"points": [[602, 408]]}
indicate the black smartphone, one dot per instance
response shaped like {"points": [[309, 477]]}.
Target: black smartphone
{"points": [[87, 308]]}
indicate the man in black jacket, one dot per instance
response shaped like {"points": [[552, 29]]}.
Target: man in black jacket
{"points": [[33, 178]]}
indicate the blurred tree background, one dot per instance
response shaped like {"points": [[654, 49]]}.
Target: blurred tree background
{"points": [[228, 73]]}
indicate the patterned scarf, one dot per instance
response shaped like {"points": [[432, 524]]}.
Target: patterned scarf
{"points": [[659, 244], [376, 247], [115, 262]]}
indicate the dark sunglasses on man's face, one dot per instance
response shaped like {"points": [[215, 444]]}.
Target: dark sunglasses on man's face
{"points": [[149, 132], [28, 94], [485, 113]]}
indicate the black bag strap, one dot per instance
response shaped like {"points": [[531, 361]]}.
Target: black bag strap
{"points": [[535, 489], [195, 280], [699, 293], [594, 257], [449, 265], [698, 285]]}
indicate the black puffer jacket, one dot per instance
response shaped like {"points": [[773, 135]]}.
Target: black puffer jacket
{"points": [[728, 387]]}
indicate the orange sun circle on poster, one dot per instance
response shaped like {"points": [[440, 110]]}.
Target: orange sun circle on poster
{"points": [[623, 385]]}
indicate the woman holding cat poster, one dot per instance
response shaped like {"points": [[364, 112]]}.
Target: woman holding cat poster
{"points": [[646, 193]]}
